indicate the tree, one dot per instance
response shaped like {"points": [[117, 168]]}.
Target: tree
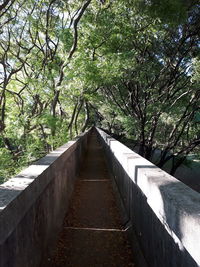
{"points": [[146, 69], [67, 65]]}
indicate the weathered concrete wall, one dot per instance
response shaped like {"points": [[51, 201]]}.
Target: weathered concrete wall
{"points": [[164, 212], [34, 203]]}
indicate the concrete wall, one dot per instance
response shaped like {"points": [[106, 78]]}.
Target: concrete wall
{"points": [[33, 205], [164, 212]]}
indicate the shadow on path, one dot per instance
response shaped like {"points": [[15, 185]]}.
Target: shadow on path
{"points": [[92, 232]]}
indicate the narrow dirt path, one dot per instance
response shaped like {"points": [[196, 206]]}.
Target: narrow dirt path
{"points": [[92, 233]]}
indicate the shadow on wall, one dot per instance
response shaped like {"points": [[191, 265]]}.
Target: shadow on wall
{"points": [[182, 216], [166, 218], [6, 195], [142, 167], [47, 160], [164, 212], [109, 139], [189, 175]]}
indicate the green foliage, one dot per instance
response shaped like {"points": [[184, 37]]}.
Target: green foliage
{"points": [[135, 65], [67, 38], [171, 11], [197, 117], [7, 165]]}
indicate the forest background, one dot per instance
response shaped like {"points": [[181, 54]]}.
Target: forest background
{"points": [[131, 67]]}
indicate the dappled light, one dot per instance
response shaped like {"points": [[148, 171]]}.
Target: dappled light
{"points": [[130, 67], [117, 194], [99, 133]]}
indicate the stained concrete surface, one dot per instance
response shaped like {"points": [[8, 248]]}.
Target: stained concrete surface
{"points": [[165, 212], [92, 232]]}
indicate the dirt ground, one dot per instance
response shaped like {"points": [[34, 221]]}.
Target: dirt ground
{"points": [[92, 232]]}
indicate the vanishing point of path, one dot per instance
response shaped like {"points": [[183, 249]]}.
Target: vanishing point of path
{"points": [[92, 232]]}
